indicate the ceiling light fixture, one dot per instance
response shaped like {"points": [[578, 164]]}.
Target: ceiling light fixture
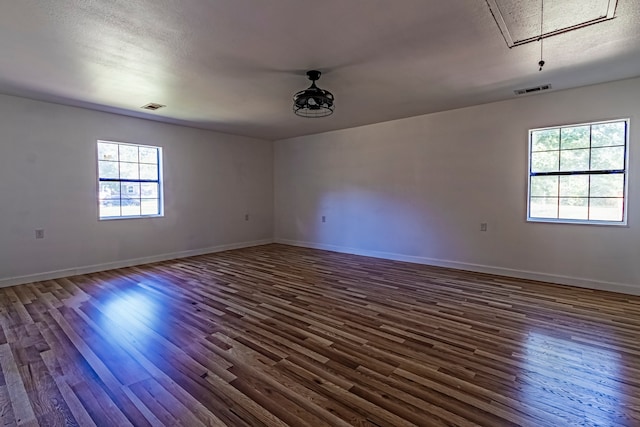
{"points": [[313, 101]]}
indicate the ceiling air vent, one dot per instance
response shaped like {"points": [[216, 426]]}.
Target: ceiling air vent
{"points": [[532, 89], [152, 106]]}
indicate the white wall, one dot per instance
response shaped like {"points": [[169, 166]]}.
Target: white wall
{"points": [[48, 180], [417, 189]]}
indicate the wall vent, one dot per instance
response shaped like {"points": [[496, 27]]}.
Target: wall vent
{"points": [[152, 106], [532, 89]]}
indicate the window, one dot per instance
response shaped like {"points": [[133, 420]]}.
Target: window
{"points": [[129, 180], [578, 173]]}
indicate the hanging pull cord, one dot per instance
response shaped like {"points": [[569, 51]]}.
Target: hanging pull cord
{"points": [[541, 63]]}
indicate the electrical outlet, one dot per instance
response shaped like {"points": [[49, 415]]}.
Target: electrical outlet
{"points": [[324, 218], [39, 233], [483, 226], [246, 217]]}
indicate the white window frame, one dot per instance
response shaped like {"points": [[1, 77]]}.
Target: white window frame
{"points": [[159, 182], [624, 172]]}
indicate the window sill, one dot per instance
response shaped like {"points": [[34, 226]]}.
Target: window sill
{"points": [[579, 222], [111, 218]]}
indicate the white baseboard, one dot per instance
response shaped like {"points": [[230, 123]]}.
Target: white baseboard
{"points": [[479, 268], [11, 281]]}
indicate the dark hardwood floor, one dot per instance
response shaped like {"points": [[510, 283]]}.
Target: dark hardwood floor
{"points": [[277, 335]]}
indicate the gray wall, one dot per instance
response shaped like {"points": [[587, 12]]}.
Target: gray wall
{"points": [[48, 180], [417, 189]]}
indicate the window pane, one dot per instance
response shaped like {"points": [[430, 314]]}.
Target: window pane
{"points": [[130, 198], [574, 186], [129, 171], [126, 165], [575, 137], [607, 185], [150, 207], [148, 155], [149, 172], [543, 207], [107, 151], [544, 186], [566, 164], [107, 169], [130, 190], [109, 190], [606, 209], [109, 208], [574, 208], [607, 134], [544, 161], [149, 190], [607, 158], [130, 207], [574, 160], [129, 153], [544, 140]]}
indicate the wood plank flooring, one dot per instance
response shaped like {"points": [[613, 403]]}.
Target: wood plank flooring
{"points": [[277, 335]]}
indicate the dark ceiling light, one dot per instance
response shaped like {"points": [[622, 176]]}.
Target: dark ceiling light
{"points": [[313, 101]]}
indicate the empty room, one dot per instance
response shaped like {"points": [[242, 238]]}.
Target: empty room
{"points": [[336, 213]]}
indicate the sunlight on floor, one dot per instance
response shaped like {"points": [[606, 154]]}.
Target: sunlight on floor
{"points": [[579, 375], [130, 317]]}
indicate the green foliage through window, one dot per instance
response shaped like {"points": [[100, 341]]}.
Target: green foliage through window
{"points": [[578, 173]]}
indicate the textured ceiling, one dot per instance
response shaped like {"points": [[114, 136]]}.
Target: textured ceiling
{"points": [[521, 21], [233, 65]]}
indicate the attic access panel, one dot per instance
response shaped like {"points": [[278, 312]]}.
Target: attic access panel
{"points": [[519, 20]]}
